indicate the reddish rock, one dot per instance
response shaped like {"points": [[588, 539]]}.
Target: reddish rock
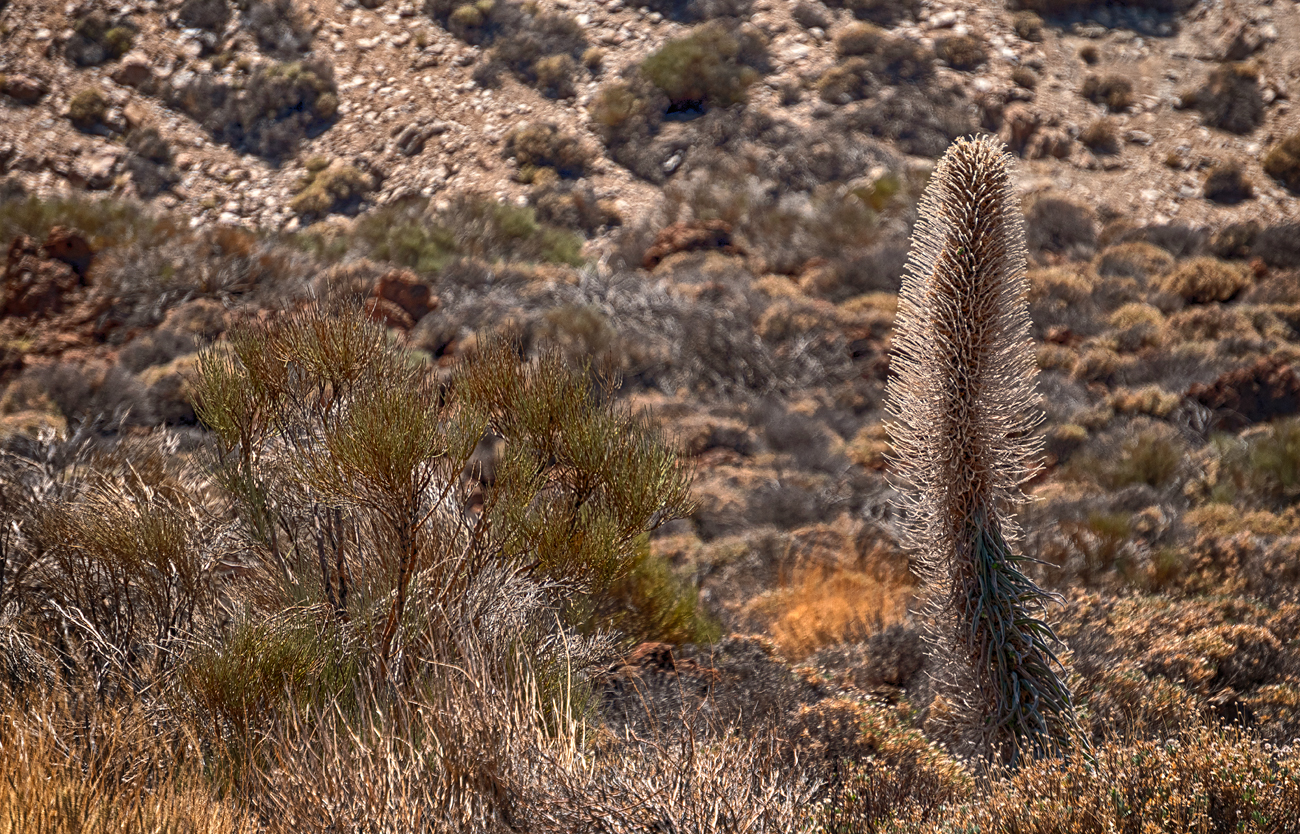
{"points": [[134, 70], [22, 88], [404, 289], [71, 248], [1267, 389], [690, 237], [382, 311], [35, 285]]}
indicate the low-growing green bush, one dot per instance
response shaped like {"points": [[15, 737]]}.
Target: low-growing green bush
{"points": [[694, 11], [337, 187], [1136, 259], [1028, 26], [542, 47], [544, 145], [150, 162], [96, 39], [279, 27], [712, 66], [1101, 136], [920, 120], [859, 38], [87, 108], [1151, 453], [410, 235], [204, 14], [1054, 223], [269, 112], [849, 80], [572, 206]]}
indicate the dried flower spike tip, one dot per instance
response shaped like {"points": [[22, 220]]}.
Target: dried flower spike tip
{"points": [[963, 412]]}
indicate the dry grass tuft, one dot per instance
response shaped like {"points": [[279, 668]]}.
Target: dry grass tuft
{"points": [[1202, 280]]}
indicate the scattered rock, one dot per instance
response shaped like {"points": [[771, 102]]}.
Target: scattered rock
{"points": [[23, 88], [411, 139], [95, 171], [38, 279], [135, 70]]}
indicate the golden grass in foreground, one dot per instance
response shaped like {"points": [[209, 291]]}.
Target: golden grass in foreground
{"points": [[102, 775]]}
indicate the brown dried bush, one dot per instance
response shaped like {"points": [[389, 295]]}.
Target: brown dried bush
{"points": [[1136, 259], [1230, 99], [1282, 162], [1114, 91], [544, 145], [1203, 280], [961, 52], [1227, 183]]}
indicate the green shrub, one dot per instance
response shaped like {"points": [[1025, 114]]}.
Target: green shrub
{"points": [[712, 66], [1054, 223], [544, 145], [540, 46], [87, 108], [571, 500], [572, 206], [150, 161], [1262, 469], [405, 240], [1136, 259], [470, 226], [892, 58], [1152, 453], [694, 11], [920, 120], [296, 657], [279, 27], [335, 188], [267, 113], [1202, 280], [1282, 162], [95, 39]]}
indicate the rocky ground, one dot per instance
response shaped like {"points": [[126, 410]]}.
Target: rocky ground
{"points": [[410, 111], [729, 232]]}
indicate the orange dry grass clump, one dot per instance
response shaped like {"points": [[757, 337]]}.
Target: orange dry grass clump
{"points": [[824, 606]]}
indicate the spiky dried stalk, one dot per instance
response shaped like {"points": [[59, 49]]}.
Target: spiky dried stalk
{"points": [[963, 413]]}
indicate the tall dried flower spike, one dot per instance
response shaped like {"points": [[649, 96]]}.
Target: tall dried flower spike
{"points": [[962, 417]]}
